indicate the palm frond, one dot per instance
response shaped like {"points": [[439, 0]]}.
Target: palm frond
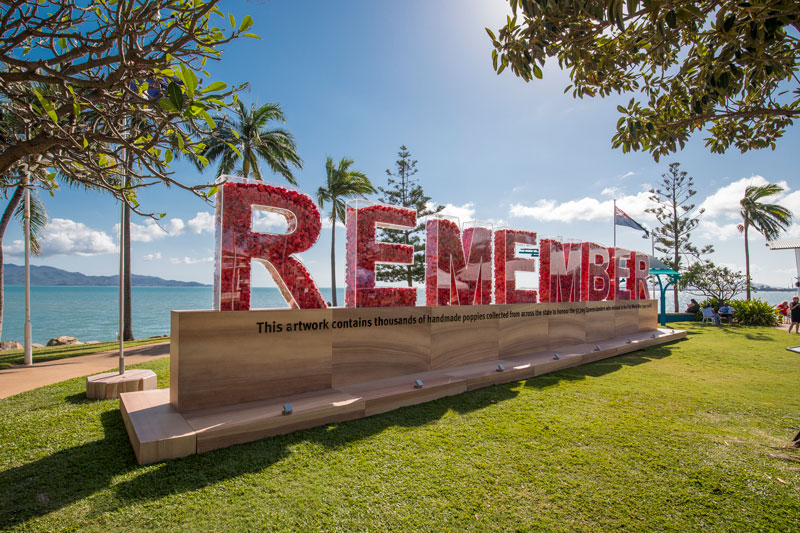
{"points": [[38, 221]]}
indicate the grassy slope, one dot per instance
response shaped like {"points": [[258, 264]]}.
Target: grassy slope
{"points": [[51, 353], [671, 438]]}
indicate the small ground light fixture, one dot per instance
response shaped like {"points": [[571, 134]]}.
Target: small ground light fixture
{"points": [[418, 384], [597, 348], [287, 409], [501, 368], [556, 356], [653, 336], [628, 341]]}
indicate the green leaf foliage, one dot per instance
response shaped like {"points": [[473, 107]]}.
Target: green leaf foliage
{"points": [[755, 312], [727, 68], [404, 190]]}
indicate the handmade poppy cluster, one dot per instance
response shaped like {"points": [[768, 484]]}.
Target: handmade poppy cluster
{"points": [[507, 264], [595, 264], [237, 244], [560, 275], [623, 285], [457, 264], [363, 252]]}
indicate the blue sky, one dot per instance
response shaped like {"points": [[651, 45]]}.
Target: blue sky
{"points": [[360, 78]]}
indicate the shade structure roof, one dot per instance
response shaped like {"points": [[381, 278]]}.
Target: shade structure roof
{"points": [[666, 271], [784, 244]]}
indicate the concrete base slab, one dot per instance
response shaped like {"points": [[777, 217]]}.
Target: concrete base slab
{"points": [[112, 384], [158, 432]]}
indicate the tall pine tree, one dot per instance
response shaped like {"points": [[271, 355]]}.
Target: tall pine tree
{"points": [[673, 213], [403, 190]]}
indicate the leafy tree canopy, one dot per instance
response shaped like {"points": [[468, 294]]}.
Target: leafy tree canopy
{"points": [[711, 281], [403, 189], [729, 67], [76, 73]]}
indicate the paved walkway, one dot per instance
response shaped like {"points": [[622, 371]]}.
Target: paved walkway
{"points": [[19, 379]]}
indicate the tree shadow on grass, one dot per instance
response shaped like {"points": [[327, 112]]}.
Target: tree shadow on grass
{"points": [[197, 471], [602, 367], [60, 479], [68, 476]]}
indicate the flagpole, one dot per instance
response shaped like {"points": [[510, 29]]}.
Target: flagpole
{"points": [[653, 253], [614, 222]]}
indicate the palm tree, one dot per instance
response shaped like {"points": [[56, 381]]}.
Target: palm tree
{"points": [[767, 219], [16, 208], [341, 183], [249, 138]]}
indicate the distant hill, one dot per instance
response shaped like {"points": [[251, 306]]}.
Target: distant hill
{"points": [[45, 275]]}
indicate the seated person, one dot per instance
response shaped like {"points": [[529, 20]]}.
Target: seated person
{"points": [[783, 310], [708, 312], [726, 312], [693, 307]]}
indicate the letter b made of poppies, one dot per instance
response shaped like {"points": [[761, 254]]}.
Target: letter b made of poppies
{"points": [[238, 244], [363, 252]]}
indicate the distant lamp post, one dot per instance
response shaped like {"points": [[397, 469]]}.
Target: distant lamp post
{"points": [[27, 340]]}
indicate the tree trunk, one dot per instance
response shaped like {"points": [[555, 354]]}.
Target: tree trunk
{"points": [[333, 256], [127, 298], [747, 258], [7, 213]]}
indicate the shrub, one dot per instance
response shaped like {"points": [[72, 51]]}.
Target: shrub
{"points": [[754, 313]]}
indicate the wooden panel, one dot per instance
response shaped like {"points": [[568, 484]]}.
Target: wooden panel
{"points": [[472, 338], [156, 430], [626, 321], [389, 394], [544, 362], [368, 353], [111, 384], [526, 334], [567, 324], [648, 317], [222, 427], [599, 321], [224, 359]]}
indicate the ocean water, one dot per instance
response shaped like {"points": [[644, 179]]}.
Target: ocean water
{"points": [[90, 313]]}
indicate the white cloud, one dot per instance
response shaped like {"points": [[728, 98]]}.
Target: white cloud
{"points": [[708, 229], [627, 175], [269, 221], [585, 209], [792, 202], [203, 222], [464, 213], [190, 260], [152, 231], [67, 237], [725, 202], [152, 257], [611, 191]]}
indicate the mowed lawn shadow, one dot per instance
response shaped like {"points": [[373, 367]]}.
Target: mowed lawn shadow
{"points": [[197, 471], [67, 476], [602, 367], [47, 484]]}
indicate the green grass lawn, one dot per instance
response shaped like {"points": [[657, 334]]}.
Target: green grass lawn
{"points": [[50, 353], [676, 438]]}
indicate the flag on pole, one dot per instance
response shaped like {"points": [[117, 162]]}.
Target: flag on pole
{"points": [[622, 219]]}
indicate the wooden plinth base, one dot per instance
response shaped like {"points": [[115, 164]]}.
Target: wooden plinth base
{"points": [[111, 384], [158, 431]]}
